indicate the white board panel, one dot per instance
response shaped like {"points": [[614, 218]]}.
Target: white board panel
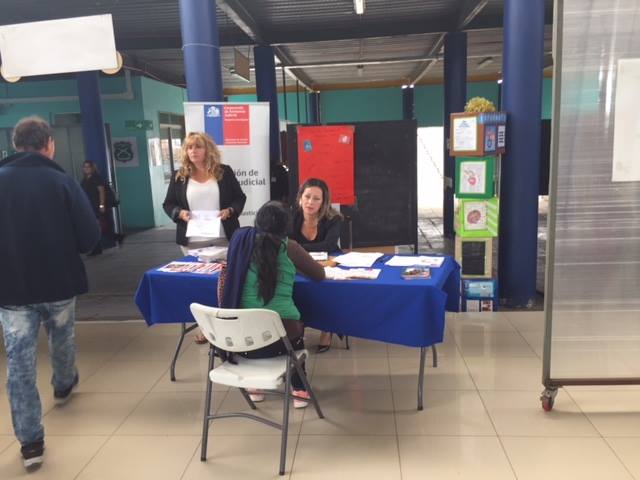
{"points": [[626, 136], [58, 46]]}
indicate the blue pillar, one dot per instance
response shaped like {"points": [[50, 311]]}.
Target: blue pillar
{"points": [[455, 97], [266, 91], [315, 108], [521, 99], [93, 133], [201, 50], [408, 111]]}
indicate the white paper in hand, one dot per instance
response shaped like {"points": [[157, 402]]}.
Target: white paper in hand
{"points": [[204, 223]]}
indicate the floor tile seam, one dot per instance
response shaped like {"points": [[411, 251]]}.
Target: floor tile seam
{"points": [[395, 417], [615, 454], [550, 437], [191, 459], [13, 441], [95, 454], [568, 393]]}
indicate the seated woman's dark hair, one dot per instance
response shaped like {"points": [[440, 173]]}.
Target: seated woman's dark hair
{"points": [[271, 223]]}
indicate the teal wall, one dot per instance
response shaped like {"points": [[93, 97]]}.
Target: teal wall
{"points": [[292, 105], [158, 97], [140, 190]]}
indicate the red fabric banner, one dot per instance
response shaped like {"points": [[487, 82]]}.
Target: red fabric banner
{"points": [[327, 153]]}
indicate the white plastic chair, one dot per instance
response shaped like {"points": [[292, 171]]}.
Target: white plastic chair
{"points": [[245, 330]]}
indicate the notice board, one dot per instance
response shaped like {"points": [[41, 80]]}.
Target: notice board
{"points": [[385, 211], [327, 152]]}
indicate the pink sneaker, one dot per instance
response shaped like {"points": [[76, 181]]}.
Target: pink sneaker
{"points": [[255, 395], [299, 402]]}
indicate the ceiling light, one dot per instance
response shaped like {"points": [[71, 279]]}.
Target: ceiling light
{"points": [[499, 81], [359, 6], [484, 62]]}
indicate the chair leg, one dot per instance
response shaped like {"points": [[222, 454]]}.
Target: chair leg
{"points": [[346, 340], [435, 356], [207, 409], [307, 386], [248, 398], [285, 418]]}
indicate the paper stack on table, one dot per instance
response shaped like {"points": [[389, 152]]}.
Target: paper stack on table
{"points": [[319, 256], [191, 267], [411, 261], [358, 259], [209, 254], [335, 273]]}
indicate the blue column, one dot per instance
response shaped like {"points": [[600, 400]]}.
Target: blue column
{"points": [[315, 108], [408, 111], [201, 50], [267, 92], [521, 99], [455, 97], [93, 133]]}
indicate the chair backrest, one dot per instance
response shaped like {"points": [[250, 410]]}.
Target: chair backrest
{"points": [[238, 330]]}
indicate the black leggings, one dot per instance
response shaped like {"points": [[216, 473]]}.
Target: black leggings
{"points": [[275, 350]]}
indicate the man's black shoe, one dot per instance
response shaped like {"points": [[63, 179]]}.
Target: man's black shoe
{"points": [[32, 454], [61, 397]]}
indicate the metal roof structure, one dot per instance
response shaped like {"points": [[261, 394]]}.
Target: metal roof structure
{"points": [[322, 43]]}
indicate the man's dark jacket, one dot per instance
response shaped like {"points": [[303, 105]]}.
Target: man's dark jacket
{"points": [[46, 221]]}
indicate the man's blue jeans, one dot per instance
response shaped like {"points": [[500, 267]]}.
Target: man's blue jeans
{"points": [[21, 325]]}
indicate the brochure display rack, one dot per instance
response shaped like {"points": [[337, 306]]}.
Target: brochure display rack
{"points": [[477, 142]]}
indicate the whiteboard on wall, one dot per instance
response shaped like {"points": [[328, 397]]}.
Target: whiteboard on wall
{"points": [[241, 131], [58, 46], [626, 136]]}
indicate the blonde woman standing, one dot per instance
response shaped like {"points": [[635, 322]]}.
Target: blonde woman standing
{"points": [[203, 183]]}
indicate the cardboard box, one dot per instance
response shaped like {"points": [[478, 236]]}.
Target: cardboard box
{"points": [[477, 134], [477, 217], [475, 177], [475, 256]]}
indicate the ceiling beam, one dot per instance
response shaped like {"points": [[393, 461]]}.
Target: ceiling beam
{"points": [[423, 69], [137, 65], [469, 11], [239, 15]]}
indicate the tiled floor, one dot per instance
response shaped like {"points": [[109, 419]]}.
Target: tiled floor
{"points": [[482, 418]]}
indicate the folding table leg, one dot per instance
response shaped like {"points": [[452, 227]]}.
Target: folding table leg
{"points": [[183, 331], [423, 354]]}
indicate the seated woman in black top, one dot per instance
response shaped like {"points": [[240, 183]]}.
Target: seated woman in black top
{"points": [[316, 227]]}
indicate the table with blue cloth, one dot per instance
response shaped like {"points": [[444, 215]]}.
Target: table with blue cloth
{"points": [[388, 309]]}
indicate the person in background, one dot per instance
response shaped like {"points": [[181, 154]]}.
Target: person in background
{"points": [[316, 227], [261, 268], [46, 221], [95, 187], [203, 183], [280, 183]]}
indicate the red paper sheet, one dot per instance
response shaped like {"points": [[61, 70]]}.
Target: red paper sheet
{"points": [[327, 153]]}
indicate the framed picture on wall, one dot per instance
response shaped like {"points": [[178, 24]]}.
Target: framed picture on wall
{"points": [[474, 177]]}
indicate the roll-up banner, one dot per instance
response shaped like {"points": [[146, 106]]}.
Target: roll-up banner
{"points": [[241, 131]]}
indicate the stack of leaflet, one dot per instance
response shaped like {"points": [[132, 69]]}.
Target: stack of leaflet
{"points": [[415, 261], [209, 254], [335, 273], [319, 256], [358, 259]]}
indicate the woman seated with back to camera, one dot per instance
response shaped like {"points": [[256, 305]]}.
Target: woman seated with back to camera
{"points": [[261, 268], [316, 227]]}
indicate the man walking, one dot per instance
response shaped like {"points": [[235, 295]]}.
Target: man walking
{"points": [[46, 221]]}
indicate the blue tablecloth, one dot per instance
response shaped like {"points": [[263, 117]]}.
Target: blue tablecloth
{"points": [[389, 309]]}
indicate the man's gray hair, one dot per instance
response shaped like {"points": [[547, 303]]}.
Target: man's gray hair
{"points": [[32, 134]]}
